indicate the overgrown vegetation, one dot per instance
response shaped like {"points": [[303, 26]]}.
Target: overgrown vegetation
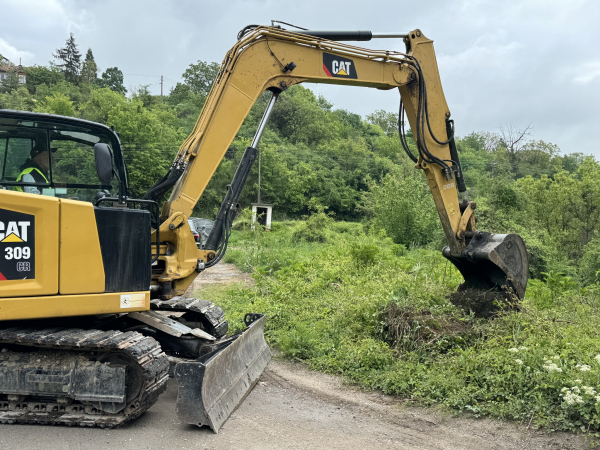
{"points": [[361, 306]]}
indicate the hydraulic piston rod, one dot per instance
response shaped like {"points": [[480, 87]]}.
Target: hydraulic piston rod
{"points": [[264, 120], [217, 240]]}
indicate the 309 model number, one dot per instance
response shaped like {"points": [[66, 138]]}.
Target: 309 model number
{"points": [[17, 253]]}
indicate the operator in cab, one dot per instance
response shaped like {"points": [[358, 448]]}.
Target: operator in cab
{"points": [[36, 169]]}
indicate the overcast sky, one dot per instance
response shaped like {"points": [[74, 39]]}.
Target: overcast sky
{"points": [[501, 62]]}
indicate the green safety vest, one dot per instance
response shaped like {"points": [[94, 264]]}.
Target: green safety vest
{"points": [[28, 171]]}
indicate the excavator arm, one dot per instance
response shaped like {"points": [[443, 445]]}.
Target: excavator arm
{"points": [[273, 59]]}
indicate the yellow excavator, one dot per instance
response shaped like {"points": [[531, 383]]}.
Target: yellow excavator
{"points": [[93, 316]]}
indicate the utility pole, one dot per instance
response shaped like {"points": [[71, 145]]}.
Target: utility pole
{"points": [[161, 88]]}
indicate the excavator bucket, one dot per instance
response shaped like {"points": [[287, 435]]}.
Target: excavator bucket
{"points": [[213, 386], [495, 268]]}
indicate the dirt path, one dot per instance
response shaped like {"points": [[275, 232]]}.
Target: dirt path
{"points": [[294, 408], [221, 274]]}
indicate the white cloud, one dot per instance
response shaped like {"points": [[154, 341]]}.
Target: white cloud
{"points": [[586, 72], [14, 55], [487, 52]]}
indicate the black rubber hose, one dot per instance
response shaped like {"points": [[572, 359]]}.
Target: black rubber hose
{"points": [[161, 187], [403, 135], [244, 31]]}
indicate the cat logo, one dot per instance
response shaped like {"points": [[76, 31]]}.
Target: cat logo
{"points": [[17, 245], [14, 232], [338, 67]]}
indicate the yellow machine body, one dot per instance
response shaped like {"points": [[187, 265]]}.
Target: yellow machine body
{"points": [[69, 272]]}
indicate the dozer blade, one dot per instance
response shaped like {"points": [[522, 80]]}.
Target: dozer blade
{"points": [[213, 386], [495, 268]]}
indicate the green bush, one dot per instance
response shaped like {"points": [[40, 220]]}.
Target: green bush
{"points": [[402, 206], [315, 229], [364, 254]]}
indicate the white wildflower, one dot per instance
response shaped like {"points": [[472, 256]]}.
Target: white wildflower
{"points": [[571, 398], [597, 358], [589, 390], [513, 350], [564, 389], [519, 362], [556, 358], [597, 398], [522, 348], [552, 368], [576, 389], [583, 367]]}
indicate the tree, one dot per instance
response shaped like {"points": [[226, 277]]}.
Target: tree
{"points": [[112, 78], [100, 104], [589, 267], [89, 70], [386, 120], [199, 77], [71, 60], [402, 205], [56, 104], [38, 75], [142, 92], [514, 139], [20, 99]]}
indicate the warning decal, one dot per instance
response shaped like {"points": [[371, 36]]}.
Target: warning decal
{"points": [[17, 246], [133, 301]]}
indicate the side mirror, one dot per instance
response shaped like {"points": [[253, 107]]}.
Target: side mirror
{"points": [[104, 163]]}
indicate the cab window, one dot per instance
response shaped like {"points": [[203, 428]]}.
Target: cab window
{"points": [[51, 159], [15, 153]]}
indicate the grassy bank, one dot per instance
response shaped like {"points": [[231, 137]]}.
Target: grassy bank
{"points": [[351, 302]]}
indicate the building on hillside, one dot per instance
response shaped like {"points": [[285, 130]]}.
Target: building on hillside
{"points": [[6, 70]]}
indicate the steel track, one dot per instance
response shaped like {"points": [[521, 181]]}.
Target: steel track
{"points": [[145, 351]]}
